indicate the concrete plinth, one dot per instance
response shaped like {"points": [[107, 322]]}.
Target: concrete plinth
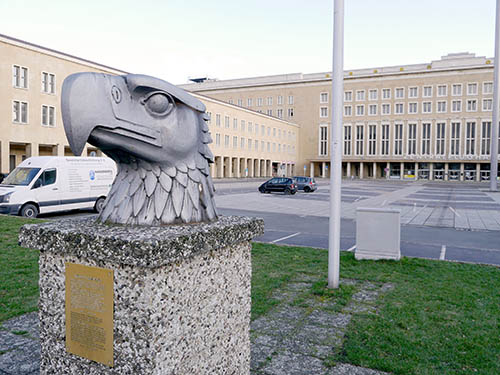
{"points": [[181, 294]]}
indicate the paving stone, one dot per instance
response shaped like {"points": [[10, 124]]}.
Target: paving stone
{"points": [[346, 369], [325, 318], [328, 336], [294, 345], [266, 340], [284, 296], [294, 364], [9, 341], [359, 308], [274, 326], [27, 322], [23, 360], [260, 355], [366, 295]]}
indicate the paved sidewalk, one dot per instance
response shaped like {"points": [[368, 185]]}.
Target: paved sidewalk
{"points": [[302, 335], [20, 346], [298, 337]]}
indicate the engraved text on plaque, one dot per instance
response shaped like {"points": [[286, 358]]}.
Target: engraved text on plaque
{"points": [[89, 312]]}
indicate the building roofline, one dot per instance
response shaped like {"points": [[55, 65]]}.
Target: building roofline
{"points": [[53, 52], [450, 62], [217, 101]]}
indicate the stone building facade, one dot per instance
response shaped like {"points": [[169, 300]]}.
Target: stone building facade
{"points": [[421, 121], [246, 142]]}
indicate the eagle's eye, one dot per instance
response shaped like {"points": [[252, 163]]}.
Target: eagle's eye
{"points": [[158, 103]]}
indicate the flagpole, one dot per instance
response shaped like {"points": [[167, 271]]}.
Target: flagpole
{"points": [[496, 105], [335, 144]]}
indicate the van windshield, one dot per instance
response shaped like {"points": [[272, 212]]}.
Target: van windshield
{"points": [[21, 176]]}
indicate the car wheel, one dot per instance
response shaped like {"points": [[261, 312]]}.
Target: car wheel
{"points": [[29, 210], [293, 192], [99, 205], [307, 189], [287, 191]]}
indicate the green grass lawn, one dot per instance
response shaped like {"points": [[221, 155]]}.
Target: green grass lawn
{"points": [[440, 317], [18, 271]]}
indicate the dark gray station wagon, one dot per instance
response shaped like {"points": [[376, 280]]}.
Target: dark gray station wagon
{"points": [[307, 184]]}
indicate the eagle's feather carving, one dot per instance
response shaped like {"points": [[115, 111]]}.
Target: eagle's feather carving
{"points": [[157, 134]]}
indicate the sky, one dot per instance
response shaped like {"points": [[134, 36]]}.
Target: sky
{"points": [[180, 39]]}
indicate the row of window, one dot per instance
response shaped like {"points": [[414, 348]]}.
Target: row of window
{"points": [[250, 144], [259, 102], [413, 92], [249, 127], [20, 113], [471, 105], [20, 79], [379, 139]]}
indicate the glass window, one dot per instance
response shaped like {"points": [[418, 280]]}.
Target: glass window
{"points": [[442, 90], [359, 139], [347, 110], [21, 176], [487, 87], [347, 140], [323, 140], [472, 89], [456, 89], [441, 106]]}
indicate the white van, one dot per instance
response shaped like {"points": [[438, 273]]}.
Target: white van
{"points": [[56, 183]]}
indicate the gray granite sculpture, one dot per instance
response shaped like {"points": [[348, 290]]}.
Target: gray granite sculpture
{"points": [[156, 133]]}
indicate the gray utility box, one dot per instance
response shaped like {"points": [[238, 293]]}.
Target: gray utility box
{"points": [[378, 233]]}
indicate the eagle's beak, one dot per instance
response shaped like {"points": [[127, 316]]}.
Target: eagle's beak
{"points": [[82, 99]]}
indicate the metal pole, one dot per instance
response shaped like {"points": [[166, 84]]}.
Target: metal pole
{"points": [[496, 105], [335, 144]]}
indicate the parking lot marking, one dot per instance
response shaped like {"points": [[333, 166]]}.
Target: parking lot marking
{"points": [[443, 252], [455, 212], [285, 238], [384, 202], [351, 248]]}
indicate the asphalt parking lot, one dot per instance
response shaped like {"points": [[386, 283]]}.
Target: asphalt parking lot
{"points": [[449, 221]]}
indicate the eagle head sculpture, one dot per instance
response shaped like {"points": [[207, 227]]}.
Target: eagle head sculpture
{"points": [[157, 135]]}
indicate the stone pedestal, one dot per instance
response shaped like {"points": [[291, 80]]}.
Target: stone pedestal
{"points": [[181, 294]]}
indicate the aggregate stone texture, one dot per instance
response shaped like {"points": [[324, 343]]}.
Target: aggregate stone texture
{"points": [[138, 246], [184, 308]]}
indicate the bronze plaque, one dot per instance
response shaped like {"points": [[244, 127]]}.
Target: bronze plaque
{"points": [[89, 312]]}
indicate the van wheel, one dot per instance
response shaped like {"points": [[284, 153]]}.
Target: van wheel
{"points": [[307, 189], [99, 205], [29, 210]]}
